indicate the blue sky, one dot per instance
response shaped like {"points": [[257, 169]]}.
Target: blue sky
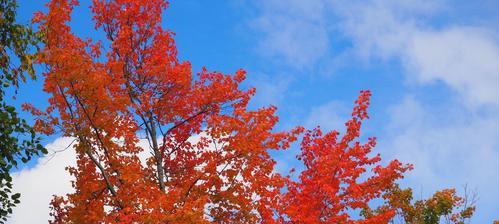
{"points": [[432, 65]]}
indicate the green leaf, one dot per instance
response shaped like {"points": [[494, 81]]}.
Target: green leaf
{"points": [[16, 196], [10, 109]]}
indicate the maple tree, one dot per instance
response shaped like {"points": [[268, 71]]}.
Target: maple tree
{"points": [[139, 88], [209, 159], [336, 180]]}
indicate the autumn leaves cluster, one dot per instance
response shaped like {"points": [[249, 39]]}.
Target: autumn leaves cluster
{"points": [[209, 155]]}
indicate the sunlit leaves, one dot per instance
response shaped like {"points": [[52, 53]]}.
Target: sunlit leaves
{"points": [[340, 176], [209, 157]]}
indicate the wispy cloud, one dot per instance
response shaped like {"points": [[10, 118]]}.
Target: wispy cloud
{"points": [[292, 31], [465, 58], [270, 90], [329, 116]]}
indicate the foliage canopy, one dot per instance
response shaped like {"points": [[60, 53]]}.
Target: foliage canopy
{"points": [[18, 140], [209, 153]]}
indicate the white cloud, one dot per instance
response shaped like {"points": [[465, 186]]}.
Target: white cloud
{"points": [[465, 58], [330, 116], [292, 31], [269, 90], [446, 152], [39, 183]]}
